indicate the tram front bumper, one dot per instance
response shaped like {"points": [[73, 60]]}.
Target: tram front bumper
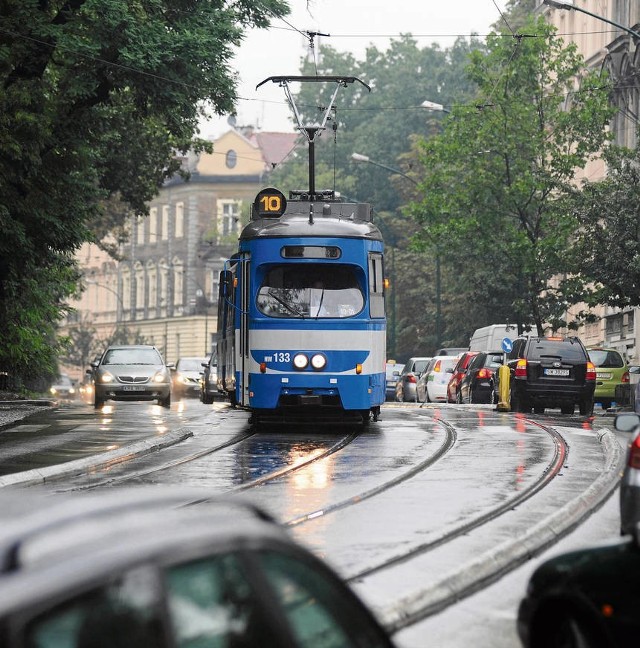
{"points": [[275, 391]]}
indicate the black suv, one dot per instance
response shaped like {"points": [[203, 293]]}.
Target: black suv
{"points": [[551, 372]]}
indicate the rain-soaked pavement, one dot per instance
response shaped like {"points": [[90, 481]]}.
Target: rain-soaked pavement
{"points": [[414, 511]]}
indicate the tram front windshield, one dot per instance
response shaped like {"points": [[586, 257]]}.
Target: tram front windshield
{"points": [[310, 290]]}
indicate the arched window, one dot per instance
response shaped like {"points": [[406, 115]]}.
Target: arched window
{"points": [[231, 159]]}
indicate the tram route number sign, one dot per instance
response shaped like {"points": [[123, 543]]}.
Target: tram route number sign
{"points": [[269, 203]]}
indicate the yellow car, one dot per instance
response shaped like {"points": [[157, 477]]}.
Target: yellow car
{"points": [[611, 371]]}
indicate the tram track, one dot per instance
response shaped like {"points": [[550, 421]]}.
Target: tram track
{"points": [[234, 441], [552, 469]]}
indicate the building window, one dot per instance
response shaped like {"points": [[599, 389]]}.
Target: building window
{"points": [[179, 220], [153, 225], [229, 211], [140, 231], [164, 226], [231, 159]]}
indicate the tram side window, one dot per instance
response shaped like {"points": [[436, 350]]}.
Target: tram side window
{"points": [[310, 291], [376, 285]]}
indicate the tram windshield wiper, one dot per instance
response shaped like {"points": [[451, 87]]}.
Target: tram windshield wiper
{"points": [[289, 307]]}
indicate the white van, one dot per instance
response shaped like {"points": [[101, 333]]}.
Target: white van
{"points": [[489, 338]]}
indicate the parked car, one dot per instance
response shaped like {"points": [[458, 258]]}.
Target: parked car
{"points": [[133, 372], [187, 377], [551, 372], [458, 373], [611, 371], [477, 384], [209, 381], [588, 598], [450, 351], [433, 382], [392, 371], [406, 386], [630, 482], [63, 387], [139, 568]]}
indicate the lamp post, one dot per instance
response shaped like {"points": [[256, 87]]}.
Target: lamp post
{"points": [[358, 157], [200, 294], [568, 5], [93, 282]]}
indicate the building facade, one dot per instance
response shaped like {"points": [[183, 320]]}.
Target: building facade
{"points": [[610, 47], [164, 288]]}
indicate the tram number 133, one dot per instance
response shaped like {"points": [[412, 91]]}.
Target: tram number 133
{"points": [[270, 203]]}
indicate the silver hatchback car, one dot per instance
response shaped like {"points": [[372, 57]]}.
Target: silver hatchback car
{"points": [[133, 372]]}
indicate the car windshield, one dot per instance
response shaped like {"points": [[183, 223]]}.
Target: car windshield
{"points": [[132, 356], [63, 380], [606, 359], [190, 364], [314, 290]]}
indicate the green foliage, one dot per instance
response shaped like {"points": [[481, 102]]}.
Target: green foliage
{"points": [[495, 179], [607, 244], [96, 96], [382, 125]]}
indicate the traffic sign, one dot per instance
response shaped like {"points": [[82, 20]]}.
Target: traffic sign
{"points": [[507, 344]]}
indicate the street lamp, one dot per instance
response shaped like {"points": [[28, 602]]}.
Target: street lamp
{"points": [[436, 107], [201, 300], [568, 5], [93, 282], [358, 157]]}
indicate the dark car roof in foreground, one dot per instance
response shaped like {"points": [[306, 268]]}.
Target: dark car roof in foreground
{"points": [[52, 544]]}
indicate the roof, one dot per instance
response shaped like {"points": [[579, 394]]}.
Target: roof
{"points": [[275, 147]]}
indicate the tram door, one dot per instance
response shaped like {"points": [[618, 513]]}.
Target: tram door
{"points": [[244, 346]]}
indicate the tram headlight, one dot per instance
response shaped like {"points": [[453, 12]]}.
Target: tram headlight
{"points": [[318, 361], [300, 361]]}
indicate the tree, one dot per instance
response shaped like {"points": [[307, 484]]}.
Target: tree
{"points": [[607, 244], [495, 179], [382, 125], [96, 97]]}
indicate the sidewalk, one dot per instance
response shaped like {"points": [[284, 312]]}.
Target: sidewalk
{"points": [[14, 411]]}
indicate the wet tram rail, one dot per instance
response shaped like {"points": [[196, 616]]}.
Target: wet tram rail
{"points": [[410, 498]]}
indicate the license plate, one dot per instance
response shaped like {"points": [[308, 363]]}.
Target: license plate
{"points": [[603, 376], [556, 372], [132, 388]]}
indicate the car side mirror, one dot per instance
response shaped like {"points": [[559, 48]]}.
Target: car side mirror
{"points": [[626, 421], [170, 365]]}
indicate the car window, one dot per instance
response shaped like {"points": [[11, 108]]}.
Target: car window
{"points": [[132, 356], [606, 359], [420, 366], [190, 364], [123, 614], [319, 614], [539, 349], [212, 605]]}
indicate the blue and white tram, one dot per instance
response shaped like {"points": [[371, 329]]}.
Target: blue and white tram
{"points": [[301, 322]]}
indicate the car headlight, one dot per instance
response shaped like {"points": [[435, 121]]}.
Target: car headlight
{"points": [[300, 361], [160, 377], [106, 377]]}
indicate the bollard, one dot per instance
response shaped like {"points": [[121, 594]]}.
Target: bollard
{"points": [[504, 388]]}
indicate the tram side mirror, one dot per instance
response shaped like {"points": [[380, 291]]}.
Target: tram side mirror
{"points": [[226, 282]]}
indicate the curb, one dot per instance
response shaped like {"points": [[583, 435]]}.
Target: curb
{"points": [[95, 462], [490, 566]]}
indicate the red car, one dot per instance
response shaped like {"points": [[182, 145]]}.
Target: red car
{"points": [[458, 373]]}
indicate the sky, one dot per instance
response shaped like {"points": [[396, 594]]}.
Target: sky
{"points": [[353, 25]]}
